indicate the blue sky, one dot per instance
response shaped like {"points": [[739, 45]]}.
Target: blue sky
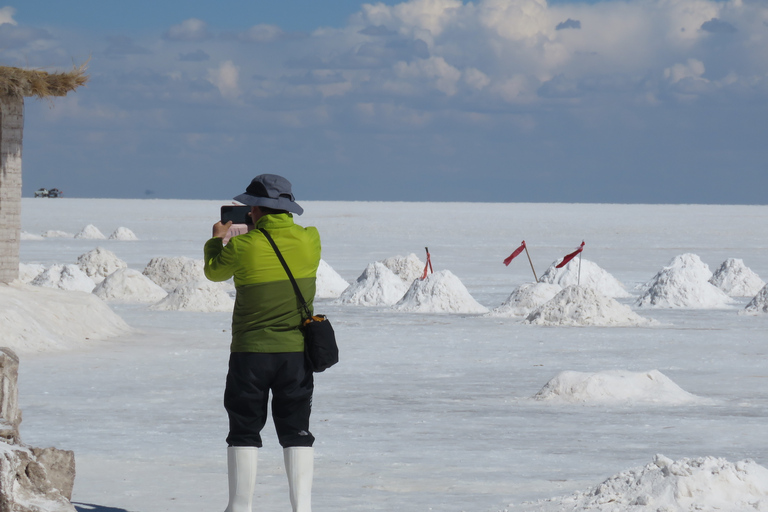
{"points": [[652, 101]]}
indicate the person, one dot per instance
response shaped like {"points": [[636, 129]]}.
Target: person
{"points": [[267, 350]]}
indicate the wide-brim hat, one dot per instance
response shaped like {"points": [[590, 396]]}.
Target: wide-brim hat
{"points": [[272, 191]]}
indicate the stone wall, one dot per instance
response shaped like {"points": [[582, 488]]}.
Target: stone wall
{"points": [[11, 130], [31, 479]]}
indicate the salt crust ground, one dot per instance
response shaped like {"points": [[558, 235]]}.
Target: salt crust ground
{"points": [[739, 494], [736, 279], [590, 275], [202, 296], [525, 298], [705, 484], [440, 292], [129, 285], [758, 304], [376, 286], [613, 387], [578, 305], [39, 319], [684, 283], [329, 283]]}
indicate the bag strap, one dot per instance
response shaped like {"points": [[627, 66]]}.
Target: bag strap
{"points": [[287, 271]]}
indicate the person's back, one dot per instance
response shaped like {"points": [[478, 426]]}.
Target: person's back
{"points": [[267, 350]]}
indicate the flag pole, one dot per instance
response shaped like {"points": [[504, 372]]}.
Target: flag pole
{"points": [[578, 283], [531, 262]]}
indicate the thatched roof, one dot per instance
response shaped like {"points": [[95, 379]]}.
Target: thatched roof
{"points": [[41, 84]]}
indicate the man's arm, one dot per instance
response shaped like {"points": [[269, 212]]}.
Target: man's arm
{"points": [[219, 262]]}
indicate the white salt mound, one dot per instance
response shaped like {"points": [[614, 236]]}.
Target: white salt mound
{"points": [[525, 298], [64, 277], [329, 283], [55, 233], [29, 236], [376, 286], [736, 279], [406, 268], [98, 263], [203, 296], [36, 319], [122, 233], [705, 484], [578, 305], [440, 292], [129, 285], [684, 283], [614, 386], [170, 272], [592, 276], [90, 232], [29, 271], [759, 303]]}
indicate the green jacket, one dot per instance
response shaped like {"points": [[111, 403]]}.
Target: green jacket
{"points": [[267, 315]]}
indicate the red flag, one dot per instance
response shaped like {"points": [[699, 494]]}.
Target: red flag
{"points": [[515, 254], [428, 266], [569, 257]]}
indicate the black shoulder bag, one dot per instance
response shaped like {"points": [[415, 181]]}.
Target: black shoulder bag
{"points": [[320, 346]]}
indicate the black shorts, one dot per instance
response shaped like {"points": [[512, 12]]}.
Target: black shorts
{"points": [[251, 377]]}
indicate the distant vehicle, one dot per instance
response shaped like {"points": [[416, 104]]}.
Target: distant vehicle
{"points": [[44, 192]]}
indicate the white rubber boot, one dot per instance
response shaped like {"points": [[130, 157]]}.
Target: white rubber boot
{"points": [[241, 467], [299, 466]]}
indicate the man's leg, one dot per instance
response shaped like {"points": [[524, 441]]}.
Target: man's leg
{"points": [[245, 399], [291, 407]]}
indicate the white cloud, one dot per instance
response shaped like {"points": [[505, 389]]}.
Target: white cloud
{"points": [[226, 78], [6, 15], [189, 30], [693, 68], [435, 69], [262, 33]]}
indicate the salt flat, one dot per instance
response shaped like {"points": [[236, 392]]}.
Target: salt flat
{"points": [[424, 411]]}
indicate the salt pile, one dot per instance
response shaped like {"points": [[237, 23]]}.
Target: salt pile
{"points": [[684, 283], [202, 296], [736, 279], [578, 305], [129, 285], [98, 263], [406, 268], [29, 236], [440, 292], [525, 298], [705, 484], [170, 272], [614, 386], [38, 319], [64, 277], [90, 232], [55, 233], [29, 271], [592, 276], [758, 304], [376, 286], [122, 233], [329, 283]]}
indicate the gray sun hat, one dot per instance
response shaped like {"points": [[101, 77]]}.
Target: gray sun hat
{"points": [[272, 191]]}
